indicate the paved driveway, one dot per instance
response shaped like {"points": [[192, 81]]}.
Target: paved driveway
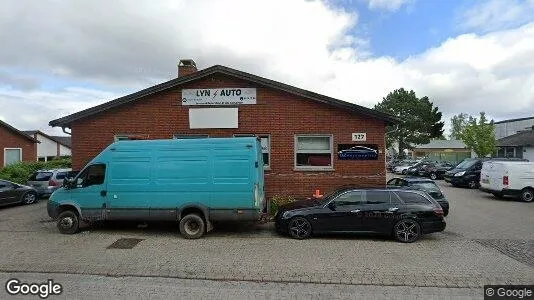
{"points": [[487, 241]]}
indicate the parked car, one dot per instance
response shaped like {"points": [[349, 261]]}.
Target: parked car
{"points": [[467, 173], [190, 181], [403, 168], [414, 170], [405, 214], [390, 165], [358, 152], [508, 178], [435, 171], [422, 184], [13, 193], [47, 181]]}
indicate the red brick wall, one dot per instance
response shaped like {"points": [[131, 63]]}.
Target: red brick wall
{"points": [[9, 139], [277, 113]]}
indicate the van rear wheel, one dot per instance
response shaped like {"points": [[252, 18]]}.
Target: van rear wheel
{"points": [[527, 195], [192, 226]]}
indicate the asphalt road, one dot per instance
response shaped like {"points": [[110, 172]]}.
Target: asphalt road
{"points": [[487, 241]]}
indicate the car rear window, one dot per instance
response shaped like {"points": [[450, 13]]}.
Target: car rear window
{"points": [[61, 175], [41, 176], [413, 198]]}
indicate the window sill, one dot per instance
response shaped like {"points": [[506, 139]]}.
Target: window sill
{"points": [[314, 169]]}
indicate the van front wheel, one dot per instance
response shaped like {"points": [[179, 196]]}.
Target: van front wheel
{"points": [[67, 222], [192, 226]]}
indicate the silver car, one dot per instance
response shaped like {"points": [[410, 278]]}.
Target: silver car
{"points": [[45, 182]]}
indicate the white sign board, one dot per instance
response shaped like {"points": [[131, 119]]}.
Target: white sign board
{"points": [[213, 117], [359, 137], [223, 96]]}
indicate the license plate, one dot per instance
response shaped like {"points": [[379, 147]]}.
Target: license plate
{"points": [[485, 180]]}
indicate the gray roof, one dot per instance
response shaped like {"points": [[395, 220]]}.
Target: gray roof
{"points": [[523, 138], [64, 140], [443, 144], [513, 120], [30, 132], [67, 120]]}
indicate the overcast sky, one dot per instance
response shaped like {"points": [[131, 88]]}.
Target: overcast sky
{"points": [[59, 57]]}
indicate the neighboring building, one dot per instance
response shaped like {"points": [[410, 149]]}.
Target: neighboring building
{"points": [[519, 145], [15, 145], [50, 147], [301, 131], [443, 150], [509, 127]]}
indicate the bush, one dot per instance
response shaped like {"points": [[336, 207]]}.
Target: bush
{"points": [[277, 201], [20, 172]]}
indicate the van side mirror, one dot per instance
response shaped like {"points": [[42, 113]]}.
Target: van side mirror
{"points": [[68, 182]]}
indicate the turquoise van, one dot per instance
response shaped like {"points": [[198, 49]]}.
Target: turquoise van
{"points": [[190, 181]]}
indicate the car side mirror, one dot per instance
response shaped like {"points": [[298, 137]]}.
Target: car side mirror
{"points": [[16, 186], [332, 205]]}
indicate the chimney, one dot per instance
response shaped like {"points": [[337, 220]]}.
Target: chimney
{"points": [[186, 67]]}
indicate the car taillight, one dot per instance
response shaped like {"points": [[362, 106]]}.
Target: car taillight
{"points": [[52, 183], [505, 180], [438, 212]]}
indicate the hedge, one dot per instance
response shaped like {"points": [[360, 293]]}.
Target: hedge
{"points": [[20, 172]]}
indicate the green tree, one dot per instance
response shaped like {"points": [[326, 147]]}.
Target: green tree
{"points": [[479, 135], [458, 123], [420, 119]]}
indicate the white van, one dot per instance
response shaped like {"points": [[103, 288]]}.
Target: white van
{"points": [[513, 178]]}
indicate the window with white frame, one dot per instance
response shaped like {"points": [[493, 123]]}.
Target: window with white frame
{"points": [[12, 155], [313, 152], [190, 136], [265, 146]]}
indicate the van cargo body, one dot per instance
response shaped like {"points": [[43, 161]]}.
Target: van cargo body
{"points": [[508, 178], [216, 179]]}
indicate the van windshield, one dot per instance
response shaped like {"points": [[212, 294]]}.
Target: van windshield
{"points": [[466, 164]]}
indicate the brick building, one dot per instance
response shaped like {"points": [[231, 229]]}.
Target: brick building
{"points": [[15, 145], [301, 131]]}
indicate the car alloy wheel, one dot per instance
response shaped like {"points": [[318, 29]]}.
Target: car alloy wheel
{"points": [[527, 195], [407, 231], [29, 198], [299, 228], [433, 176]]}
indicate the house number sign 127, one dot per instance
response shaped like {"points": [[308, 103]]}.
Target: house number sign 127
{"points": [[359, 137]]}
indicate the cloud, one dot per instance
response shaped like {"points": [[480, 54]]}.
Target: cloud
{"points": [[486, 16], [125, 46]]}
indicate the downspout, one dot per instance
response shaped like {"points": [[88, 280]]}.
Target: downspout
{"points": [[63, 128]]}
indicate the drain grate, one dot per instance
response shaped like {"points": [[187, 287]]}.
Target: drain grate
{"points": [[520, 250], [125, 243]]}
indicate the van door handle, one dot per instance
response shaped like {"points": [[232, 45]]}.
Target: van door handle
{"points": [[103, 193], [393, 209], [355, 211]]}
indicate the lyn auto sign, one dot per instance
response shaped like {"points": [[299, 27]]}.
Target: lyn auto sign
{"points": [[222, 96]]}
